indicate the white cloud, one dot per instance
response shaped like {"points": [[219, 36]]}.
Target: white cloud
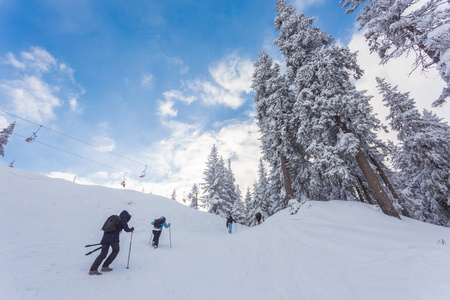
{"points": [[38, 59], [234, 74], [32, 98], [178, 95], [75, 105], [28, 94], [3, 123], [67, 70], [165, 108], [181, 158], [183, 68], [303, 4], [105, 143], [231, 78], [147, 80], [11, 59]]}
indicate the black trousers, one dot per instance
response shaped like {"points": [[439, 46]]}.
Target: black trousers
{"points": [[156, 235], [105, 247]]}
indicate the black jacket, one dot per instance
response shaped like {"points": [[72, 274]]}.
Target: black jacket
{"points": [[113, 237]]}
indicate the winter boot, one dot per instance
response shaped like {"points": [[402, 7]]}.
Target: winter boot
{"points": [[106, 269], [94, 272], [155, 246]]}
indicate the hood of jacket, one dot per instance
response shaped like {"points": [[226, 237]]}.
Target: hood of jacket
{"points": [[125, 215]]}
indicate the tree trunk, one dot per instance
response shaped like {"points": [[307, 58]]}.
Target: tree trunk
{"points": [[287, 179], [366, 192], [390, 187], [375, 186]]}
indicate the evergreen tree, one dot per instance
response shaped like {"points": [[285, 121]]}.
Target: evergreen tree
{"points": [[273, 104], [193, 197], [423, 156], [215, 193], [261, 193], [238, 210], [4, 136], [326, 127], [397, 27], [231, 193], [248, 202]]}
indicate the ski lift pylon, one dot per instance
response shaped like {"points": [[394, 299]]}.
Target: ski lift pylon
{"points": [[143, 172], [33, 136]]}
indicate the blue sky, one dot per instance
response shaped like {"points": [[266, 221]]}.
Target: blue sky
{"points": [[122, 84]]}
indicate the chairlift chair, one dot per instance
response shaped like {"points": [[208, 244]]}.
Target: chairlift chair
{"points": [[123, 180], [33, 136], [143, 172]]}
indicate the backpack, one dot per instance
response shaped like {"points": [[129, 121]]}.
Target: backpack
{"points": [[111, 224], [158, 223]]}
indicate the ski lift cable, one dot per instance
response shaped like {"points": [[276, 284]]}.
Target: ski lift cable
{"points": [[68, 152], [76, 139]]}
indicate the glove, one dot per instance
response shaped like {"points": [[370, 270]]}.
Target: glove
{"points": [[169, 224], [132, 229]]}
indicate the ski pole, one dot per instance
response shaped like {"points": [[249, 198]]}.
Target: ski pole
{"points": [[93, 245], [94, 250], [129, 251], [170, 238]]}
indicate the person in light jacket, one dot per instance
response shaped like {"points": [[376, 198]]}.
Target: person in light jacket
{"points": [[157, 229]]}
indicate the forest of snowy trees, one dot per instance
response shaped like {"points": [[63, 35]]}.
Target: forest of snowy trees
{"points": [[319, 133]]}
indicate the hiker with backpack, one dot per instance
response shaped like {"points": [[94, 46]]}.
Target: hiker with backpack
{"points": [[258, 217], [157, 229], [230, 221], [112, 228]]}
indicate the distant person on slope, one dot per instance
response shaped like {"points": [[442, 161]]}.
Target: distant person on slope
{"points": [[230, 221], [157, 229], [258, 217], [111, 239]]}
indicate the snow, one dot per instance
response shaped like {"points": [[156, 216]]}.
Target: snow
{"points": [[328, 250]]}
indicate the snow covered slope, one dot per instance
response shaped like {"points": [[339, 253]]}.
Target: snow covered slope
{"points": [[333, 250]]}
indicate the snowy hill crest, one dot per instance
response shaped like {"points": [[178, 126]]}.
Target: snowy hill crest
{"points": [[328, 250]]}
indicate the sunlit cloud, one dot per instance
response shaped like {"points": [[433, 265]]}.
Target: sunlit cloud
{"points": [[27, 92], [11, 60], [180, 159], [38, 59], [32, 98], [165, 108], [231, 78], [105, 143], [178, 95]]}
